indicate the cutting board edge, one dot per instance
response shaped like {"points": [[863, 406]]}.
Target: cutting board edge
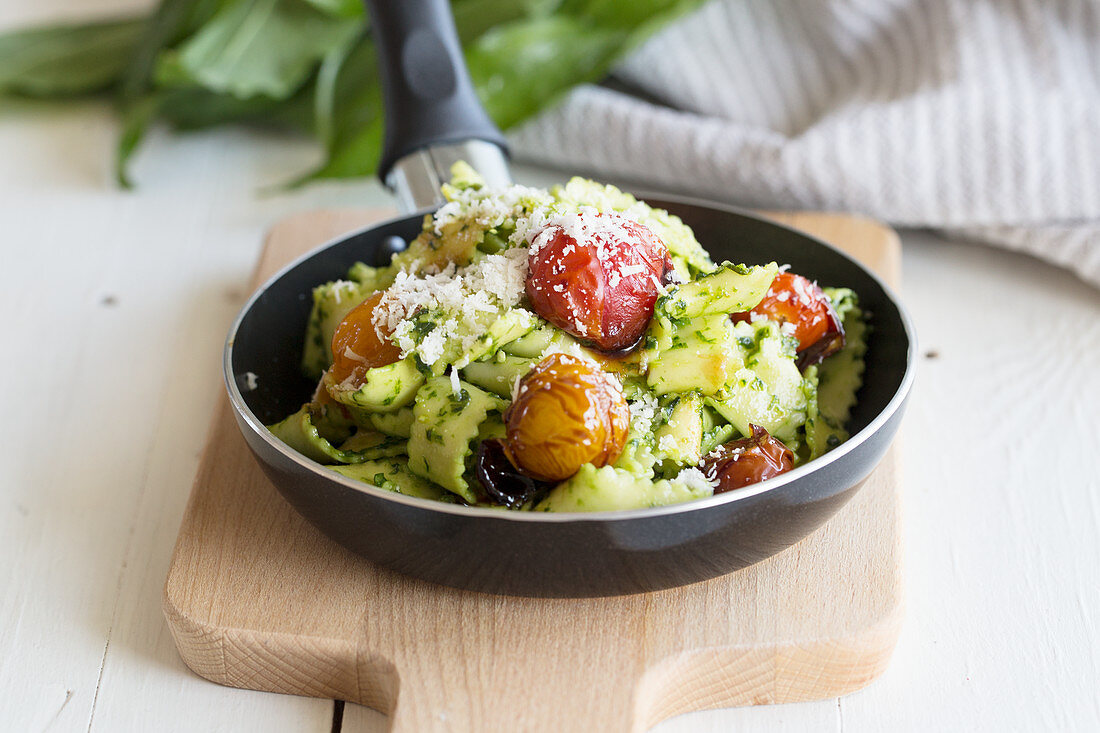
{"points": [[741, 676], [702, 679]]}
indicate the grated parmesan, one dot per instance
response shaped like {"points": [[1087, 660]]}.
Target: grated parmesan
{"points": [[696, 480], [488, 207], [463, 303], [643, 411], [347, 286]]}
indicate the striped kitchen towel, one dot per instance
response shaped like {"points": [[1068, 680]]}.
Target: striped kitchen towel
{"points": [[980, 117]]}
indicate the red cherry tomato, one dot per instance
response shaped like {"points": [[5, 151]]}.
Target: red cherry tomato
{"points": [[795, 300], [740, 463], [597, 278]]}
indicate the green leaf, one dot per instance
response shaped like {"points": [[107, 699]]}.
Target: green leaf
{"points": [[196, 109], [350, 118], [326, 89], [632, 15], [339, 8], [136, 118], [67, 60], [523, 67], [170, 23], [473, 18], [641, 17], [256, 47], [348, 97], [310, 65]]}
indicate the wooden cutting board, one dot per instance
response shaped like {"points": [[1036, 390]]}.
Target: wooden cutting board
{"points": [[257, 598]]}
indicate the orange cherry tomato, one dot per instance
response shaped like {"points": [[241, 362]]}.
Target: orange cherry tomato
{"points": [[599, 280], [795, 300], [746, 461], [567, 412], [357, 345]]}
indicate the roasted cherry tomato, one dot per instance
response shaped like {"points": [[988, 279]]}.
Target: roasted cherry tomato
{"points": [[795, 300], [597, 278], [567, 412], [503, 482], [746, 461], [357, 345]]}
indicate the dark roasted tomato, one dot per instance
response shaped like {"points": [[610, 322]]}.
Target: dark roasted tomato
{"points": [[356, 344], [503, 482], [739, 463], [567, 412], [597, 276], [795, 300]]}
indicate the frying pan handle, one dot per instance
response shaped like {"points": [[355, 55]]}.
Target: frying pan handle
{"points": [[433, 116]]}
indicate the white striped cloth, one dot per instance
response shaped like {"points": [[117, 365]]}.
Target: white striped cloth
{"points": [[981, 117]]}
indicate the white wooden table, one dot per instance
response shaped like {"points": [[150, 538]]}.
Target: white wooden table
{"points": [[117, 307]]}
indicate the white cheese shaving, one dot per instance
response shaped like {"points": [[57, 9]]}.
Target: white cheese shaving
{"points": [[696, 480], [643, 411], [353, 356], [462, 302], [456, 387], [488, 207], [340, 286], [586, 226]]}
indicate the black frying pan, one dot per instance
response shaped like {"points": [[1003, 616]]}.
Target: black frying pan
{"points": [[526, 553]]}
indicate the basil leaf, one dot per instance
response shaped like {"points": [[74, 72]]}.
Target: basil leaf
{"points": [[171, 22], [256, 47], [640, 16], [349, 120], [195, 108], [326, 89], [339, 8], [67, 60], [310, 64], [475, 17], [135, 122], [352, 123], [523, 67]]}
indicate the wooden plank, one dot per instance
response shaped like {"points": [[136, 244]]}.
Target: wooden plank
{"points": [[113, 382], [257, 598]]}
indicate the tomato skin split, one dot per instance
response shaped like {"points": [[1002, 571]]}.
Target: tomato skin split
{"points": [[599, 281]]}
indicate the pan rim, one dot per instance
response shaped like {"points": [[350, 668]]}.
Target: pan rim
{"points": [[618, 515]]}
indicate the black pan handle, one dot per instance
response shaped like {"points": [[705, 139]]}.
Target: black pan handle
{"points": [[432, 113]]}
